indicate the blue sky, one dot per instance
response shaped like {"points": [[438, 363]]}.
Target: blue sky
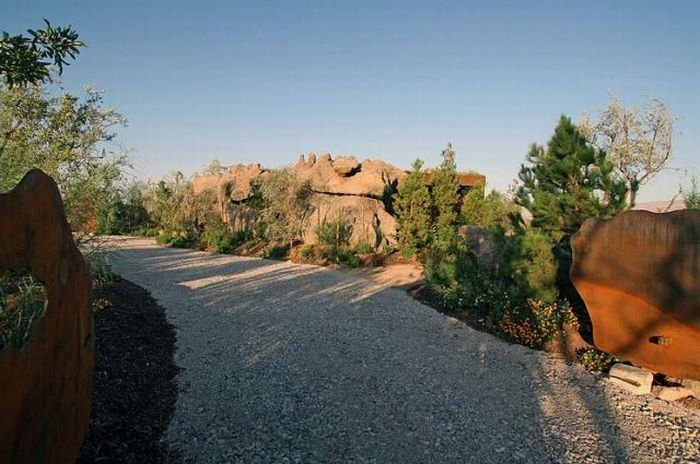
{"points": [[267, 80]]}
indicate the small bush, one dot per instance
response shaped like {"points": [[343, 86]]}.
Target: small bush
{"points": [[219, 239], [334, 233], [536, 322], [100, 269], [275, 252], [98, 304], [21, 304], [461, 283], [175, 239], [346, 257], [307, 253], [363, 248], [594, 360]]}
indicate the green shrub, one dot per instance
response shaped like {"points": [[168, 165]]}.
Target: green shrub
{"points": [[491, 212], [531, 264], [535, 322], [219, 239], [307, 253], [334, 233], [345, 256], [363, 248], [100, 269], [408, 252], [175, 239], [21, 304], [597, 361], [461, 283], [275, 252]]}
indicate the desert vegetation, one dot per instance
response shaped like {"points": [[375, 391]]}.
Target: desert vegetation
{"points": [[517, 283]]}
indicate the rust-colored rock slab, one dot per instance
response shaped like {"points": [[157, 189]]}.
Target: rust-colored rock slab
{"points": [[46, 388], [639, 275]]}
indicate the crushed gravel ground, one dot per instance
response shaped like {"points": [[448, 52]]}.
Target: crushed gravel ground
{"points": [[292, 363]]}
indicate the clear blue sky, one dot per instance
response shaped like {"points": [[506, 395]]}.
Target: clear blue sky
{"points": [[246, 81]]}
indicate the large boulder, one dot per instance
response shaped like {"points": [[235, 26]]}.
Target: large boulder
{"points": [[347, 176], [352, 191], [46, 387], [639, 276], [367, 217], [235, 185]]}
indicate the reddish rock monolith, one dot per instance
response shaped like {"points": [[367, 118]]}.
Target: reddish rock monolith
{"points": [[639, 275], [46, 388]]}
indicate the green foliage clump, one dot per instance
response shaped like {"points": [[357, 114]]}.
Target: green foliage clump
{"points": [[100, 270], [491, 212], [691, 197], [65, 136], [460, 282], [535, 323], [307, 253], [363, 248], [345, 256], [124, 213], [594, 360], [284, 204], [218, 238], [275, 252], [413, 206], [335, 233], [567, 183], [21, 305], [176, 239], [532, 264], [444, 189], [28, 59]]}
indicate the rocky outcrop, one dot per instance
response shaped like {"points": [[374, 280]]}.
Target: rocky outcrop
{"points": [[346, 176], [235, 185], [354, 191], [367, 217], [639, 275], [229, 192]]}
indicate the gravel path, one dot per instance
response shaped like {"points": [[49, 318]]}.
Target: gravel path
{"points": [[293, 363]]}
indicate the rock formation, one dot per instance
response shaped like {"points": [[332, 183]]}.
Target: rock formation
{"points": [[353, 191], [639, 275], [344, 188], [46, 388], [230, 191]]}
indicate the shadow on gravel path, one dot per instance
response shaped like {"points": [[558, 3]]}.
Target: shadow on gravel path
{"points": [[135, 390], [294, 363]]}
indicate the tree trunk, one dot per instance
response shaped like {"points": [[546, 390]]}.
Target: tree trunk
{"points": [[631, 197]]}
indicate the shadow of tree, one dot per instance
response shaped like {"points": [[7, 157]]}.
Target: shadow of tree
{"points": [[323, 366]]}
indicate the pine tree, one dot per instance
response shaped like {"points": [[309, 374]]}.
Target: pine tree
{"points": [[413, 205], [445, 189], [568, 182], [444, 192]]}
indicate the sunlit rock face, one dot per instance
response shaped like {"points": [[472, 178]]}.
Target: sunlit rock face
{"points": [[355, 192], [639, 275]]}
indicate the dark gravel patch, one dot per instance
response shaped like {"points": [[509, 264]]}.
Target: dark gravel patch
{"points": [[135, 388]]}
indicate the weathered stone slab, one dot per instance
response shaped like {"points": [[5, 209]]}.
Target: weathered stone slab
{"points": [[46, 388], [639, 275], [632, 379]]}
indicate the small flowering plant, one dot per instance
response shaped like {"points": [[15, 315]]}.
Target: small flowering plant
{"points": [[536, 322]]}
